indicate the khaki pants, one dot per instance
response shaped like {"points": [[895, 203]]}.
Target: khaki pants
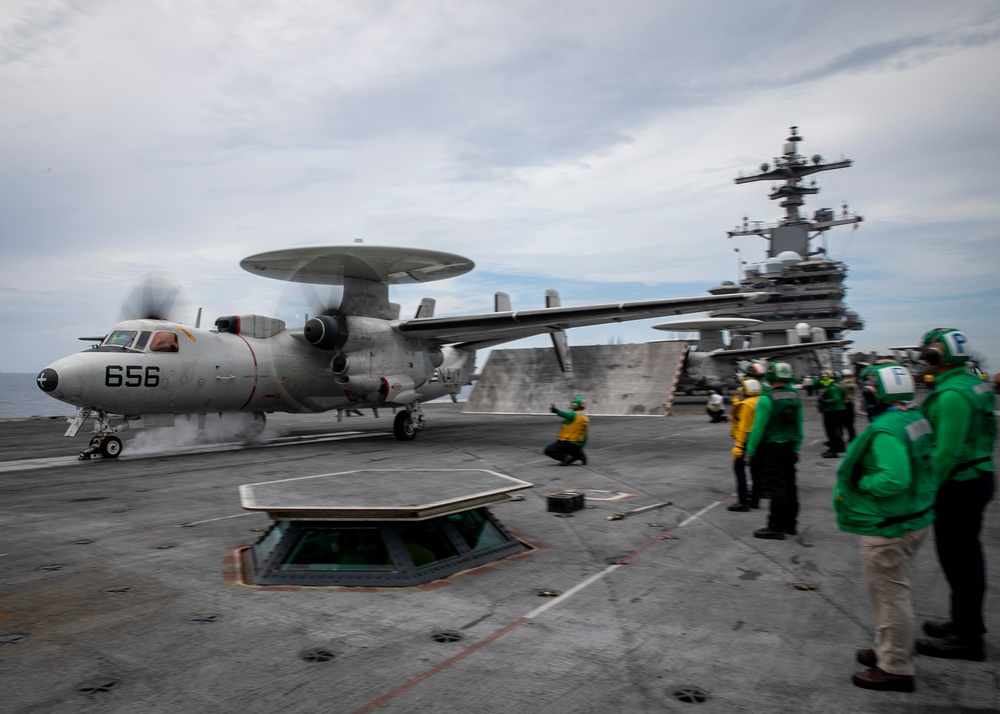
{"points": [[885, 563]]}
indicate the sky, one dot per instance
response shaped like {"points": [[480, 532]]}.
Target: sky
{"points": [[581, 145]]}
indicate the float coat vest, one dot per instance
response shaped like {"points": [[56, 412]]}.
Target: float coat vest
{"points": [[832, 399], [778, 420], [899, 496], [975, 456], [576, 430]]}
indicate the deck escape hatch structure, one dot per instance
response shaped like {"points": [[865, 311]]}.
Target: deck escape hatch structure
{"points": [[378, 528]]}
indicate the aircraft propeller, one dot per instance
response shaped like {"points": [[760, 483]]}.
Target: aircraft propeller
{"points": [[320, 305], [157, 296]]}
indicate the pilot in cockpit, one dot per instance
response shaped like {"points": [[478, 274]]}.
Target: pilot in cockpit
{"points": [[164, 342]]}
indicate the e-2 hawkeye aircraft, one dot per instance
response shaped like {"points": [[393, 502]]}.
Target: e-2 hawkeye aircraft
{"points": [[719, 366], [147, 371]]}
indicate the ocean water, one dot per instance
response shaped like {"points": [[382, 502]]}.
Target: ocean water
{"points": [[21, 397]]}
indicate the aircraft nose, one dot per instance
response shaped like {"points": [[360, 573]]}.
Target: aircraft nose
{"points": [[48, 380], [64, 380]]}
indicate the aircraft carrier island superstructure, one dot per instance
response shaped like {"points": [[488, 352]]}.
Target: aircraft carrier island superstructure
{"points": [[806, 286]]}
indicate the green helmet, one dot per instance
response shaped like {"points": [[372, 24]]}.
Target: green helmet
{"points": [[945, 345], [887, 383], [578, 402], [780, 372]]}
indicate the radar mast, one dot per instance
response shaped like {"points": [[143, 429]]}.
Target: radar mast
{"points": [[793, 231]]}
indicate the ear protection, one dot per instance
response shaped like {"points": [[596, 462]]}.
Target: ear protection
{"points": [[886, 383], [933, 354]]}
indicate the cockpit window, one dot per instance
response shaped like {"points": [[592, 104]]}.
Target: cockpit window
{"points": [[120, 338], [163, 342], [143, 339]]}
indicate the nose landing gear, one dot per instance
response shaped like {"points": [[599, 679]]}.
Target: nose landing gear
{"points": [[108, 446], [104, 441]]}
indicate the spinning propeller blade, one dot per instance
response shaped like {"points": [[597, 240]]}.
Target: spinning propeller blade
{"points": [[319, 305], [157, 296]]}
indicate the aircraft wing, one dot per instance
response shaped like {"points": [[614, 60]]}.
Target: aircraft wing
{"points": [[776, 350], [494, 328]]}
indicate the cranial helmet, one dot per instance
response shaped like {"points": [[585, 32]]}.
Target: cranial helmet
{"points": [[887, 383], [757, 370], [579, 402], [945, 345], [780, 372], [751, 386]]}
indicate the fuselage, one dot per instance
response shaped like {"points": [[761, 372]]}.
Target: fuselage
{"points": [[703, 370], [158, 367]]}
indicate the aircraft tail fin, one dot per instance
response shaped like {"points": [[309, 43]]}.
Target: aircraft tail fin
{"points": [[559, 342], [501, 302], [426, 308]]}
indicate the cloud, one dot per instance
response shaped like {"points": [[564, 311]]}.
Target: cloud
{"points": [[582, 146]]}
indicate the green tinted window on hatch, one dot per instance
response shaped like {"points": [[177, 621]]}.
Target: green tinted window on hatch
{"points": [[476, 530], [425, 543], [338, 549]]}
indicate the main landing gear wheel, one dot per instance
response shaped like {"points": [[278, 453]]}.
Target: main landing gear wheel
{"points": [[403, 427], [111, 446]]}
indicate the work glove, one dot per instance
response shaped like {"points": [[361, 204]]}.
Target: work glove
{"points": [[552, 408], [738, 452]]}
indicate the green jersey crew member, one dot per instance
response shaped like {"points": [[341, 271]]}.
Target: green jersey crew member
{"points": [[831, 406], [773, 450], [572, 437], [885, 494], [960, 410]]}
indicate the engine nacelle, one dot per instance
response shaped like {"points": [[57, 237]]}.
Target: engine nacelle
{"points": [[352, 373], [257, 326], [398, 388], [326, 332], [435, 356], [375, 362]]}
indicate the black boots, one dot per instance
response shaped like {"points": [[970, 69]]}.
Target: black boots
{"points": [[952, 647]]}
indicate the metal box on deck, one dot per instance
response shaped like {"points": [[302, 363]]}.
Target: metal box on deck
{"points": [[565, 502]]}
